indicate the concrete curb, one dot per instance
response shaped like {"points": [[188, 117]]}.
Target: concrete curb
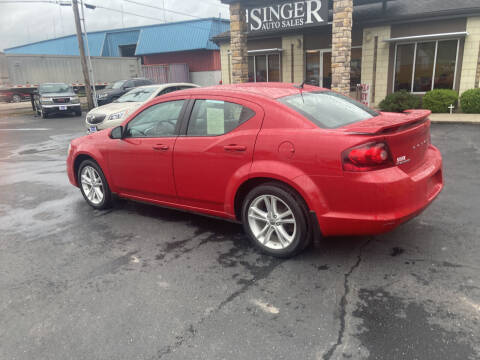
{"points": [[454, 122]]}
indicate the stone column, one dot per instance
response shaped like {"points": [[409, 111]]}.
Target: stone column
{"points": [[238, 43], [341, 45]]}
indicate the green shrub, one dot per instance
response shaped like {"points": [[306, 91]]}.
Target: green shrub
{"points": [[470, 101], [399, 102], [439, 100]]}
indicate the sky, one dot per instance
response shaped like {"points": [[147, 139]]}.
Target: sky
{"points": [[23, 22]]}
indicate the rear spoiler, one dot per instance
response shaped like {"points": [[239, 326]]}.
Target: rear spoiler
{"points": [[385, 123]]}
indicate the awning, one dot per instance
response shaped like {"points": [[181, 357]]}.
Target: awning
{"points": [[265, 51], [451, 35]]}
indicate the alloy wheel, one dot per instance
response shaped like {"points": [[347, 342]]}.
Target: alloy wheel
{"points": [[92, 185], [272, 222]]}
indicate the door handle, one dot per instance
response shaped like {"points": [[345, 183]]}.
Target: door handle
{"points": [[234, 148], [160, 147]]}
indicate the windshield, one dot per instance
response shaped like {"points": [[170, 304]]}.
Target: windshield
{"points": [[55, 88], [328, 109], [115, 85], [136, 95]]}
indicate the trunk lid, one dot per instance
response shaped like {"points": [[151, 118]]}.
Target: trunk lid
{"points": [[407, 135]]}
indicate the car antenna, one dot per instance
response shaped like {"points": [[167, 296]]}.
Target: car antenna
{"points": [[300, 87]]}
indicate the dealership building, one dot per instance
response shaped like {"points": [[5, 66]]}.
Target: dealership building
{"points": [[374, 46]]}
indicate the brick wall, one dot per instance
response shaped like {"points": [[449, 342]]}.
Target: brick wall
{"points": [[197, 60], [238, 44], [341, 45]]}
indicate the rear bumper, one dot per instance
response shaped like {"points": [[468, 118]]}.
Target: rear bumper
{"points": [[377, 202]]}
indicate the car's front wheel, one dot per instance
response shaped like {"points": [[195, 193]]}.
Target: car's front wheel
{"points": [[276, 220], [43, 113], [93, 185]]}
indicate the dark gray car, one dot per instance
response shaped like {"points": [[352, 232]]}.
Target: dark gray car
{"points": [[53, 98], [116, 89]]}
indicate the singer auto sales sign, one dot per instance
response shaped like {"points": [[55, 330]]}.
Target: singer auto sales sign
{"points": [[286, 15]]}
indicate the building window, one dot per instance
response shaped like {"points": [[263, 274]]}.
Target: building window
{"points": [[264, 68], [127, 50], [424, 66]]}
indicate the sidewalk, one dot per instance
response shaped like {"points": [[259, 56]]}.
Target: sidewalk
{"points": [[455, 118]]}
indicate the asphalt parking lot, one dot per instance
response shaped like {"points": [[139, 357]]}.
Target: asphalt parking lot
{"points": [[141, 282]]}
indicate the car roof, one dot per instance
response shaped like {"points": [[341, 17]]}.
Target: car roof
{"points": [[166, 85], [272, 90], [162, 86]]}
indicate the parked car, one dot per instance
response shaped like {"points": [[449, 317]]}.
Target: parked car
{"points": [[13, 96], [116, 89], [113, 114], [51, 98], [288, 162]]}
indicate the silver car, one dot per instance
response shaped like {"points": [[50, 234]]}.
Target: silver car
{"points": [[113, 114]]}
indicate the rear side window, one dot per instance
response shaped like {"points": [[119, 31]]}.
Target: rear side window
{"points": [[168, 90], [328, 109], [213, 117]]}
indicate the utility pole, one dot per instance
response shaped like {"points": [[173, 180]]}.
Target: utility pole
{"points": [[81, 47]]}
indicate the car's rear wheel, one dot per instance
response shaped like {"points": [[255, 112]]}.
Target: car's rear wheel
{"points": [[275, 218], [78, 113], [93, 185], [16, 98]]}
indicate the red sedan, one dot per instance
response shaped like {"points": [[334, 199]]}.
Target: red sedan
{"points": [[286, 161]]}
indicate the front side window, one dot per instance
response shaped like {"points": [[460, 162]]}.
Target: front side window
{"points": [[264, 68], [328, 109], [213, 117], [424, 66], [158, 120]]}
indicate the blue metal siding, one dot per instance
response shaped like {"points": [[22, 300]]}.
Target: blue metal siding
{"points": [[162, 38], [218, 27], [115, 39], [181, 36], [62, 46]]}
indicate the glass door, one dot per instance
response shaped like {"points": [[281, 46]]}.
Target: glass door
{"points": [[312, 67], [326, 57], [318, 68]]}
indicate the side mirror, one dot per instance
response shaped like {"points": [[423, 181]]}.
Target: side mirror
{"points": [[117, 133]]}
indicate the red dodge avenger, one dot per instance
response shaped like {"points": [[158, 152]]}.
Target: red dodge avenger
{"points": [[287, 161]]}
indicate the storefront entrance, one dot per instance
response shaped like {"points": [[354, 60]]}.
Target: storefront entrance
{"points": [[264, 67], [318, 67]]}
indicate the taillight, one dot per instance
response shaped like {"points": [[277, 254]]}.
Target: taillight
{"points": [[367, 157]]}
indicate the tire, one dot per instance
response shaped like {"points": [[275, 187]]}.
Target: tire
{"points": [[16, 98], [43, 113], [91, 170], [78, 113], [272, 234]]}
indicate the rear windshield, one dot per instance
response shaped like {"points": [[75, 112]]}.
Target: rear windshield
{"points": [[116, 84], [328, 109], [137, 95]]}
